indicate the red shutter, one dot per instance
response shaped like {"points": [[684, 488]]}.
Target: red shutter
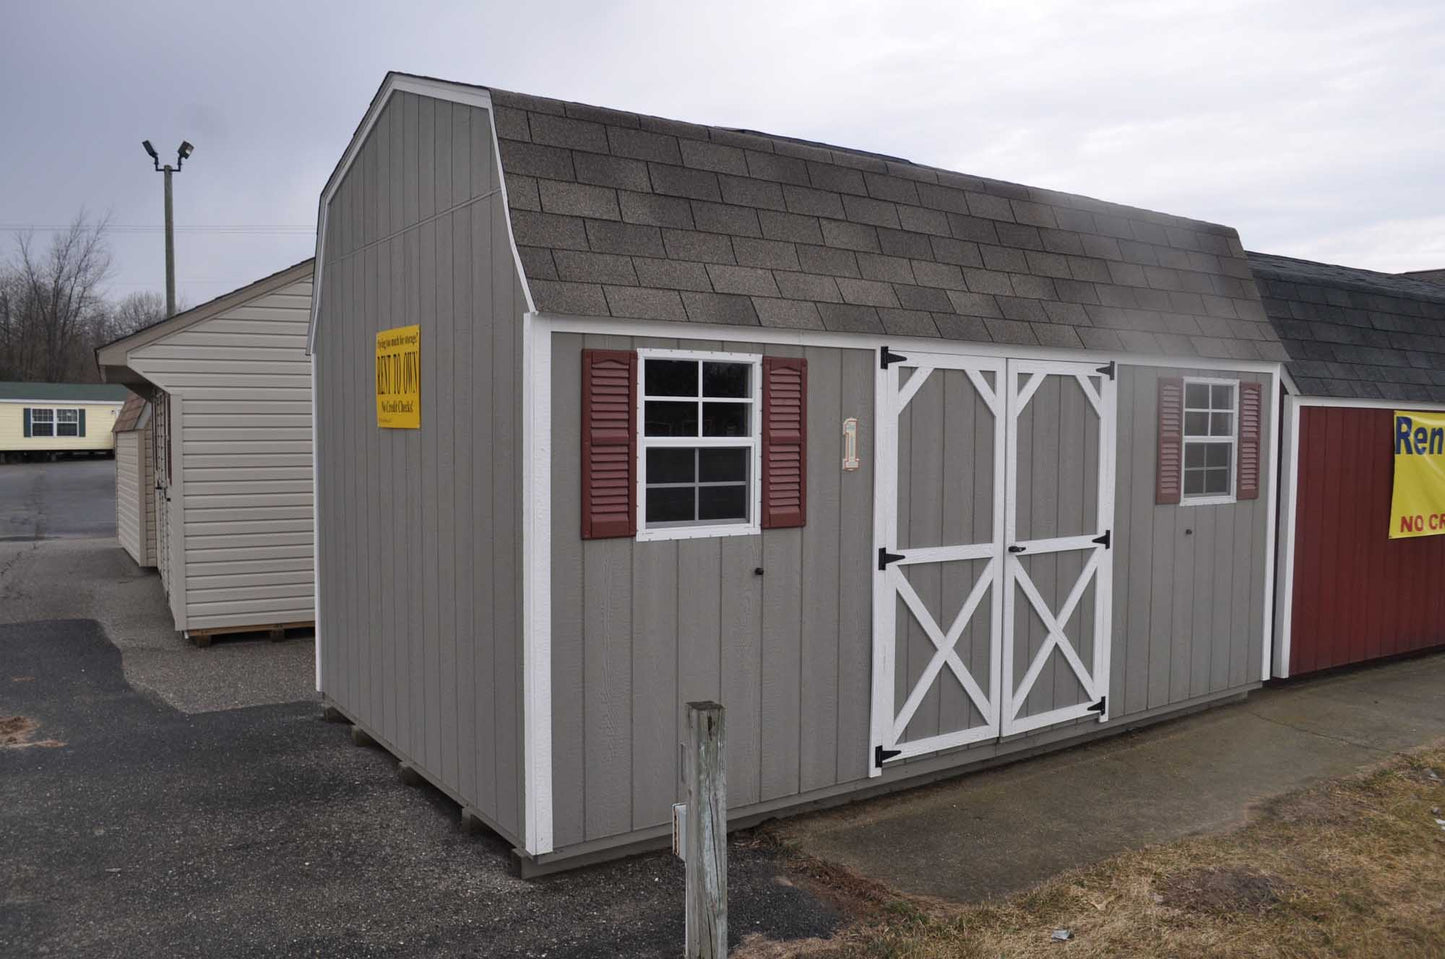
{"points": [[785, 441], [1168, 479], [609, 443], [1250, 406]]}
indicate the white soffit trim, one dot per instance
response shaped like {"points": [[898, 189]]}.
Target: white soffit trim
{"points": [[1369, 404], [422, 86], [872, 341]]}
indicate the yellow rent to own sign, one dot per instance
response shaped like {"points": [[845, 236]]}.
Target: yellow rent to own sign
{"points": [[398, 378], [1417, 505]]}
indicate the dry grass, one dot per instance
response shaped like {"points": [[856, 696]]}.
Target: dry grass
{"points": [[1350, 868], [17, 732]]}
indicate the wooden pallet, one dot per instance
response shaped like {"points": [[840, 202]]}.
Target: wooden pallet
{"points": [[274, 631]]}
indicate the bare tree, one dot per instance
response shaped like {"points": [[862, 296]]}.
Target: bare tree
{"points": [[51, 307], [135, 311]]}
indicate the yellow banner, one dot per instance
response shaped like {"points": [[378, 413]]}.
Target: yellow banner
{"points": [[1417, 506], [398, 378]]}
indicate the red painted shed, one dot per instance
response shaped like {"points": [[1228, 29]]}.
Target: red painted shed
{"points": [[1364, 345]]}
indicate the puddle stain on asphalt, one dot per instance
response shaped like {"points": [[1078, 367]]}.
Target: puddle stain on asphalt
{"points": [[16, 733]]}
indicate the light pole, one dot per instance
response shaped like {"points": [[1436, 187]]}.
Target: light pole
{"points": [[184, 151]]}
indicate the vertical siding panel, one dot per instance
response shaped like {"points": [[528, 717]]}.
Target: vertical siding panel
{"points": [[654, 682], [782, 650], [1248, 529], [399, 583], [1225, 617], [385, 516], [1075, 509], [371, 541], [699, 636], [1138, 571], [980, 452], [925, 527], [607, 588], [416, 497], [431, 357], [961, 515], [483, 583], [443, 415], [818, 695], [1181, 629], [1119, 659], [1332, 549], [1205, 600], [855, 551], [1161, 611], [507, 557], [464, 329], [569, 784], [741, 629]]}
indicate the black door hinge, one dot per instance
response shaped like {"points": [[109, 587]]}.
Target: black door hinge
{"points": [[1099, 706], [885, 557], [1104, 540], [881, 755], [1108, 369], [887, 356]]}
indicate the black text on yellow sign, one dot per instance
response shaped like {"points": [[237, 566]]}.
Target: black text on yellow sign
{"points": [[398, 378]]}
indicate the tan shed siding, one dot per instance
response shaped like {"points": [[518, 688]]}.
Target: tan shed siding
{"points": [[129, 501], [99, 418], [419, 543], [244, 454], [148, 496]]}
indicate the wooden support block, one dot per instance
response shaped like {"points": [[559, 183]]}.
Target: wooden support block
{"points": [[333, 715], [408, 775], [202, 640], [360, 737], [277, 633]]}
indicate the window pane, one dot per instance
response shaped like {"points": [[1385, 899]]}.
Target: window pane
{"points": [[1196, 395], [42, 416], [1193, 454], [726, 419], [68, 416], [1223, 397], [722, 502], [721, 466], [668, 418], [1216, 481], [1193, 482], [1196, 424], [670, 466], [1220, 424], [671, 377], [670, 504], [725, 379], [1217, 455]]}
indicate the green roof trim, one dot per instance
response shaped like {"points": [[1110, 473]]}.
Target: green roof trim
{"points": [[68, 392]]}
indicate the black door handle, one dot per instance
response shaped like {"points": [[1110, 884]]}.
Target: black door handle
{"points": [[1016, 549]]}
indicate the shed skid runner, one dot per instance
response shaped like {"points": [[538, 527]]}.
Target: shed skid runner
{"points": [[912, 472]]}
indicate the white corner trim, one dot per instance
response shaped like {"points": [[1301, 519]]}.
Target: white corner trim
{"points": [[422, 86], [537, 583], [1271, 533], [1284, 612], [315, 531]]}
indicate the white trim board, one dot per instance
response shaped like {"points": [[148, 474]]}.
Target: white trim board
{"points": [[1369, 404], [1271, 535], [1284, 566], [872, 341], [537, 585], [461, 93]]}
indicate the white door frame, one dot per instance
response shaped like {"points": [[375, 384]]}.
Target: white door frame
{"points": [[888, 719], [1099, 386]]}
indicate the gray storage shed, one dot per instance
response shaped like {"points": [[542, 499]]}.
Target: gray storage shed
{"points": [[910, 470]]}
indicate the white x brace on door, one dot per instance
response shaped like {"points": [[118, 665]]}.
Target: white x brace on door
{"points": [[955, 659]]}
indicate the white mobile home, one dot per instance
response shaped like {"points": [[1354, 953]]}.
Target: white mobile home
{"points": [[229, 388], [46, 420], [910, 470]]}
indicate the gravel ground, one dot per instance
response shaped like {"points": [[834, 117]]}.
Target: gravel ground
{"points": [[263, 832]]}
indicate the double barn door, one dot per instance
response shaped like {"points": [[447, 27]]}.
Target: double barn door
{"points": [[992, 525]]}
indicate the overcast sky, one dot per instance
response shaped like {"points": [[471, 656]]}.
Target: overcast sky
{"points": [[1317, 129]]}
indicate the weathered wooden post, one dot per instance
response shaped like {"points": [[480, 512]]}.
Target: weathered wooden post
{"points": [[706, 841]]}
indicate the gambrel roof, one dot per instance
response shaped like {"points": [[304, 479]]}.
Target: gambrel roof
{"points": [[619, 214], [1356, 333]]}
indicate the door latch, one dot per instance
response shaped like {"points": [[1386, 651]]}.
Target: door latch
{"points": [[1017, 549]]}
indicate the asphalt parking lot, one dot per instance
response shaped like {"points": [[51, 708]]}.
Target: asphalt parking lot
{"points": [[160, 800], [64, 499]]}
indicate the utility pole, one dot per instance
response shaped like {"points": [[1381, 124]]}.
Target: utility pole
{"points": [[184, 151]]}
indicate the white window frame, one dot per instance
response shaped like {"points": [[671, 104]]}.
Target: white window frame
{"points": [[753, 525], [53, 423], [75, 422], [1232, 440]]}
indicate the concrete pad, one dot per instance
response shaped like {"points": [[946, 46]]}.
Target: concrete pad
{"points": [[996, 832]]}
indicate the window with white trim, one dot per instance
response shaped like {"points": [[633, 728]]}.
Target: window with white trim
{"points": [[1211, 416], [67, 422], [698, 449], [42, 422]]}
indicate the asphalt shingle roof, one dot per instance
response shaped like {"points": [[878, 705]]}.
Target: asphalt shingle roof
{"points": [[623, 215], [1356, 333], [64, 392], [129, 414]]}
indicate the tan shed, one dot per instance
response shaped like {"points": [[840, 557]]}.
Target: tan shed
{"points": [[135, 480], [228, 443]]}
